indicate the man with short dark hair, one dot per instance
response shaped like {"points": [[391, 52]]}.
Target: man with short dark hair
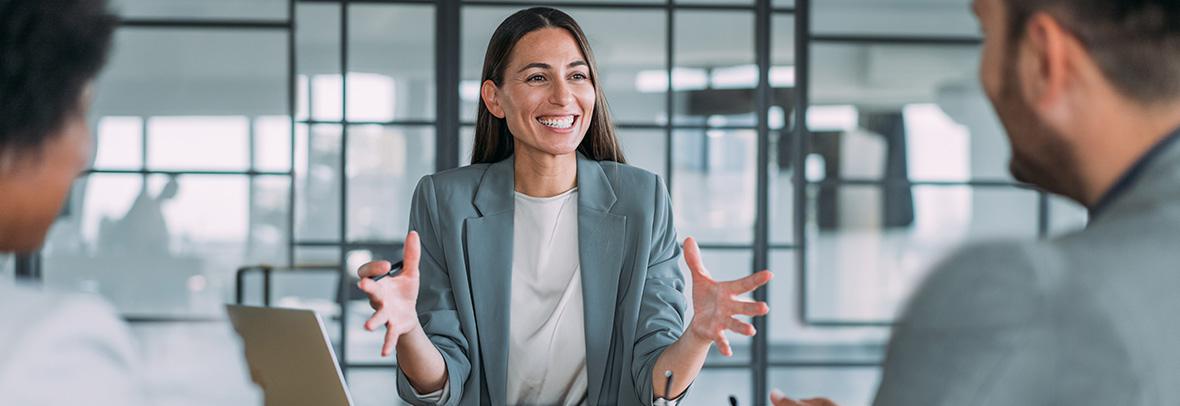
{"points": [[1089, 92], [65, 349]]}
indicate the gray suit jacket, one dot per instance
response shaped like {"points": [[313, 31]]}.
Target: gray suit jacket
{"points": [[1085, 319], [632, 285]]}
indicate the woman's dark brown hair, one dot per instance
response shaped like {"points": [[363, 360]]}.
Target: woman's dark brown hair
{"points": [[493, 141]]}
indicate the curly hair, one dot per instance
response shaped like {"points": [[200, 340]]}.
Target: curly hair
{"points": [[49, 51]]}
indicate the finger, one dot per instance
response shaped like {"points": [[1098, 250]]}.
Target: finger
{"points": [[723, 346], [412, 254], [740, 327], [692, 256], [371, 288], [377, 320], [372, 269], [819, 402], [749, 283], [390, 340], [750, 308], [779, 399]]}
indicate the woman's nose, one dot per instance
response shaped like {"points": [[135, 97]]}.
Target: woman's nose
{"points": [[561, 94]]}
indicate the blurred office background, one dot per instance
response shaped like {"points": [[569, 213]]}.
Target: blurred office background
{"points": [[844, 144]]}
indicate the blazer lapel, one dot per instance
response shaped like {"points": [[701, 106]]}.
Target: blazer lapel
{"points": [[488, 241], [601, 236]]}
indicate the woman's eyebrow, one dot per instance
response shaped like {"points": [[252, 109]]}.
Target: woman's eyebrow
{"points": [[542, 65]]}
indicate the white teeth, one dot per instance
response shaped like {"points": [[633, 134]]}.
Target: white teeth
{"points": [[561, 123]]}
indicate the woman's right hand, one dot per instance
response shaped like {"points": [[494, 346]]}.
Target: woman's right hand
{"points": [[394, 299]]}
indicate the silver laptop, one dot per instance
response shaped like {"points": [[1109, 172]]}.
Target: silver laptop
{"points": [[290, 356]]}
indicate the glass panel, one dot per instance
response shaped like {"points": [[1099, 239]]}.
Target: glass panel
{"points": [[119, 143], [894, 17], [317, 182], [318, 61], [872, 245], [715, 386], [384, 166], [317, 256], [646, 149], [7, 266], [184, 236], [782, 3], [194, 73], [373, 387], [199, 143], [903, 111], [715, 72], [272, 143], [1066, 216], [714, 186], [269, 10], [724, 265], [844, 386], [718, 2], [628, 45], [543, 2], [782, 190], [793, 341], [466, 144], [391, 62], [782, 71]]}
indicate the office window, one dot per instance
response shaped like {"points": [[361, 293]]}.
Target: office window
{"points": [[215, 10]]}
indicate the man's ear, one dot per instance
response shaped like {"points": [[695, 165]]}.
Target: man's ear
{"points": [[491, 98], [1045, 61]]}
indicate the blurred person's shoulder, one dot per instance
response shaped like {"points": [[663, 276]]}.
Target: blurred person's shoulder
{"points": [[54, 340], [985, 285]]}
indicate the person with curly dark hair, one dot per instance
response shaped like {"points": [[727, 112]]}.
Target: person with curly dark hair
{"points": [[58, 348]]}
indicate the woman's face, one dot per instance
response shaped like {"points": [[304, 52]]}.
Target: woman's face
{"points": [[547, 96]]}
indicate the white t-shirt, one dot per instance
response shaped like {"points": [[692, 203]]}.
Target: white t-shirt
{"points": [[547, 340]]}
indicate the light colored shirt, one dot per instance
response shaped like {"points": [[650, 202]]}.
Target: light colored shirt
{"points": [[66, 348], [547, 338]]}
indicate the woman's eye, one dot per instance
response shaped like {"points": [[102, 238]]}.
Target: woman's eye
{"points": [[536, 78], [579, 76]]}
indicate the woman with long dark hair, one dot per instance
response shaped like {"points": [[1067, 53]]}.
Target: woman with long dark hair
{"points": [[546, 272]]}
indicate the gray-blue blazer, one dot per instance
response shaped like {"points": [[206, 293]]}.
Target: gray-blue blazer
{"points": [[632, 284]]}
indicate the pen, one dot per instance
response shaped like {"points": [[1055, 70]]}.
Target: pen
{"points": [[394, 271], [667, 384]]}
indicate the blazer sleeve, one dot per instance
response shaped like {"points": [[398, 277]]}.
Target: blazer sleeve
{"points": [[661, 312], [436, 303]]}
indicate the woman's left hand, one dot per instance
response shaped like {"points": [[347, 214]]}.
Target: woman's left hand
{"points": [[715, 303]]}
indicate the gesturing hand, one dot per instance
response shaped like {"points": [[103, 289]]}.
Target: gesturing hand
{"points": [[393, 299], [779, 399], [715, 304]]}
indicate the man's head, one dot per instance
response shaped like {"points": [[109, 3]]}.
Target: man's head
{"points": [[50, 52], [1051, 67]]}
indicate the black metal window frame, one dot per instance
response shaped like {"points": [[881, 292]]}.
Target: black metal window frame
{"points": [[447, 127]]}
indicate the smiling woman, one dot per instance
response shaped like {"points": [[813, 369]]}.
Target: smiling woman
{"points": [[547, 272], [554, 84]]}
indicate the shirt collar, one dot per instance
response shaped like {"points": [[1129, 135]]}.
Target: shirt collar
{"points": [[1132, 175]]}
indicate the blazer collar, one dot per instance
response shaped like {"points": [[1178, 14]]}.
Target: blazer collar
{"points": [[495, 191]]}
